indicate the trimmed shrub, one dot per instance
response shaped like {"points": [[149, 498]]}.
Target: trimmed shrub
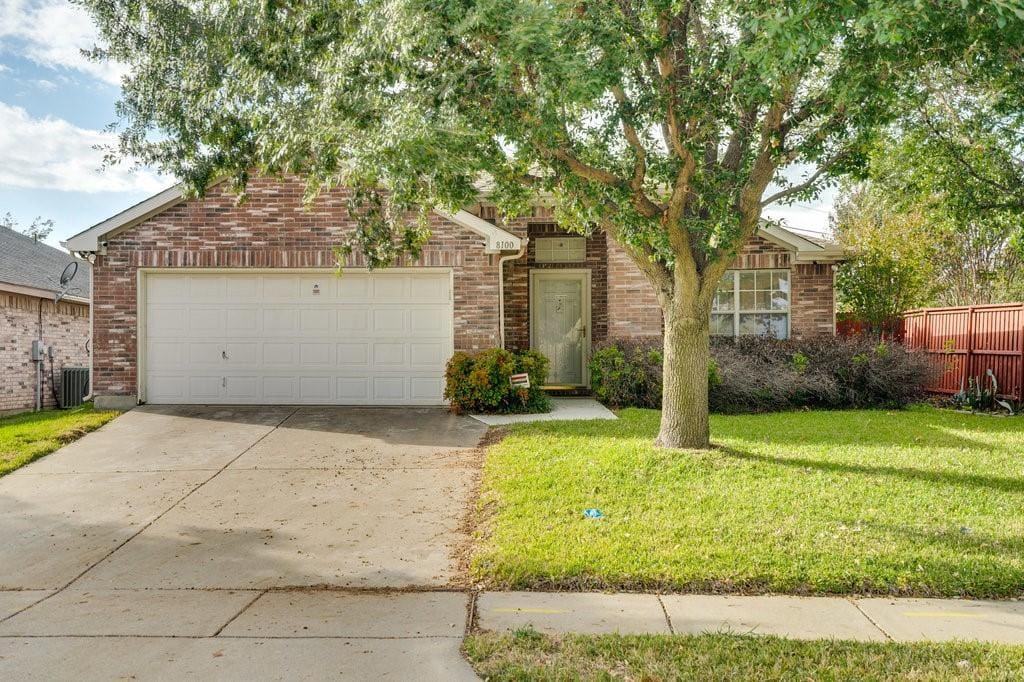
{"points": [[762, 374], [479, 382], [627, 373]]}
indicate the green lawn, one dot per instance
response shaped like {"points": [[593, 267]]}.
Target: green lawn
{"points": [[29, 436], [529, 656], [924, 502]]}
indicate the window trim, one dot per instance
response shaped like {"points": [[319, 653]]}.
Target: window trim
{"points": [[736, 311]]}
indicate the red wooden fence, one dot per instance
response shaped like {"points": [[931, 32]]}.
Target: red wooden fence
{"points": [[968, 341]]}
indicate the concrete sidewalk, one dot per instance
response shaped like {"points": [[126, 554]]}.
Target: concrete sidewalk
{"points": [[867, 619]]}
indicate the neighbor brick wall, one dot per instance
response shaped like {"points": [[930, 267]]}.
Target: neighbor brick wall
{"points": [[65, 327], [633, 309], [271, 229]]}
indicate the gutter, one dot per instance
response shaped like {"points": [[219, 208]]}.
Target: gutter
{"points": [[501, 289]]}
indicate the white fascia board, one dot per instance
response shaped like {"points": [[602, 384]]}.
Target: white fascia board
{"points": [[496, 239], [89, 240]]}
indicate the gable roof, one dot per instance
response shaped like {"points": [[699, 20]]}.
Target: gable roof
{"points": [[496, 239], [34, 268], [807, 249]]}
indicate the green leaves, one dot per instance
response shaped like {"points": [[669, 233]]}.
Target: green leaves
{"points": [[661, 122]]}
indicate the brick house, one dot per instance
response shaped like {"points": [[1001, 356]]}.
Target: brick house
{"points": [[29, 281], [209, 301]]}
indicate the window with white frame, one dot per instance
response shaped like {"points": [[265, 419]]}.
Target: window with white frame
{"points": [[752, 302]]}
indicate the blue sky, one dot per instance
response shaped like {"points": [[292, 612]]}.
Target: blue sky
{"points": [[55, 105]]}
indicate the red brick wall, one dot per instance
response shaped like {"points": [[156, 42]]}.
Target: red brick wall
{"points": [[813, 304], [65, 327], [271, 229], [633, 309]]}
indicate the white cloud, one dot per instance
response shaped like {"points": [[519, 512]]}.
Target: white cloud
{"points": [[51, 153], [44, 84], [53, 33]]}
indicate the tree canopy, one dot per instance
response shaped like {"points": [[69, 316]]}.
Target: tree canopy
{"points": [[669, 124]]}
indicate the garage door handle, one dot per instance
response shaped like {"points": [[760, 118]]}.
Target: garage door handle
{"points": [[224, 354]]}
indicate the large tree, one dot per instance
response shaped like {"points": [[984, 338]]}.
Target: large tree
{"points": [[668, 124]]}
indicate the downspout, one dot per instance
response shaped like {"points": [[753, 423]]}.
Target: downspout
{"points": [[501, 289]]}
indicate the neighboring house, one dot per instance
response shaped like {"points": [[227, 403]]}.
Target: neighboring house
{"points": [[29, 281], [207, 301]]}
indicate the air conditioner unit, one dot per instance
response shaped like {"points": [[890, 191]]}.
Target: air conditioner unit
{"points": [[74, 386]]}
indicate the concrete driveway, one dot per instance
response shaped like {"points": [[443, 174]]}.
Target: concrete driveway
{"points": [[240, 542]]}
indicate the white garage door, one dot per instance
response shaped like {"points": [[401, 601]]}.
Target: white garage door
{"points": [[379, 338]]}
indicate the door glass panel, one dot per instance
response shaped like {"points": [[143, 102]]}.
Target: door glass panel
{"points": [[560, 334]]}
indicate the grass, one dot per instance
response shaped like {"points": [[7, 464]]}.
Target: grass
{"points": [[919, 502], [29, 436], [527, 655]]}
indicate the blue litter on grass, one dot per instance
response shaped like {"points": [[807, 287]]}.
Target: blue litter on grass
{"points": [[592, 513]]}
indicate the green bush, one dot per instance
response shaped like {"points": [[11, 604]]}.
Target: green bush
{"points": [[627, 374], [479, 382], [761, 374]]}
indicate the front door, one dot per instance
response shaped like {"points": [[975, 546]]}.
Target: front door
{"points": [[560, 308]]}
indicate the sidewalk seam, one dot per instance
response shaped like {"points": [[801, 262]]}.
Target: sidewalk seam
{"points": [[151, 521], [240, 611], [668, 619], [871, 620]]}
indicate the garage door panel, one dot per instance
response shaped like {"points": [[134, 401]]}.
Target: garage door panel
{"points": [[280, 288], [241, 287], [242, 321], [205, 387], [389, 354], [166, 354], [428, 354], [353, 321], [389, 389], [353, 390], [352, 288], [430, 290], [279, 389], [242, 389], [426, 389], [243, 353], [206, 321], [167, 322], [363, 339], [434, 320], [206, 354], [389, 320], [167, 388], [279, 322], [315, 320], [354, 354], [312, 354], [315, 389], [206, 289], [390, 289]]}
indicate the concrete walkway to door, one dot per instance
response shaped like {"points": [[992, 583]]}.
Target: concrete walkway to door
{"points": [[240, 542]]}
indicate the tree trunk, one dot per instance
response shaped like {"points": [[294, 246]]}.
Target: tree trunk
{"points": [[684, 408]]}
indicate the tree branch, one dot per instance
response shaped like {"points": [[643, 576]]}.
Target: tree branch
{"points": [[807, 184]]}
